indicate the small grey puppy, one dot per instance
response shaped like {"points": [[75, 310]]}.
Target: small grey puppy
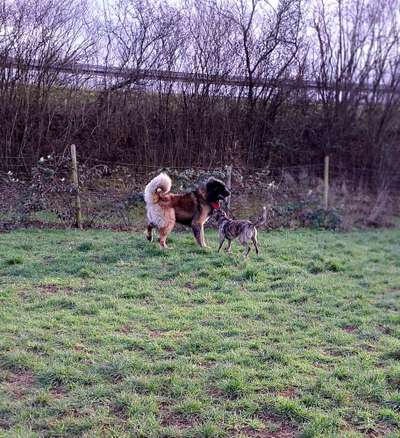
{"points": [[245, 230]]}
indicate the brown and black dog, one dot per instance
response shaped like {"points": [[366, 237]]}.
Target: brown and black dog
{"points": [[194, 208]]}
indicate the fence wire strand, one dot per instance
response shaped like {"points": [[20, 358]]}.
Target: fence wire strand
{"points": [[114, 198]]}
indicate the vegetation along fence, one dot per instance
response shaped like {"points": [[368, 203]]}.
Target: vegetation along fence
{"points": [[60, 191]]}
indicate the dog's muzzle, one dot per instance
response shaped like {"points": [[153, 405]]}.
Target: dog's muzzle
{"points": [[226, 194]]}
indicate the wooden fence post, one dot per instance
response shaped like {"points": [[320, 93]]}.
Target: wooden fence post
{"points": [[326, 182], [229, 183], [75, 180]]}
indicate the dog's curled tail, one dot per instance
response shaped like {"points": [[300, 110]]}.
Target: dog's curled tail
{"points": [[160, 184], [263, 219]]}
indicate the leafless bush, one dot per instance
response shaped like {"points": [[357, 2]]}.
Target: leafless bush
{"points": [[349, 50]]}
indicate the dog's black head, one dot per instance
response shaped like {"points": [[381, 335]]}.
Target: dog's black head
{"points": [[216, 191]]}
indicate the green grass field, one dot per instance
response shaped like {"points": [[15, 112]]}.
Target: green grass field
{"points": [[104, 335]]}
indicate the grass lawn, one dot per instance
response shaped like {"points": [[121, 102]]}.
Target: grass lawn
{"points": [[104, 335]]}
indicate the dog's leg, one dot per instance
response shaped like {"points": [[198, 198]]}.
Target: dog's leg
{"points": [[164, 232], [221, 241], [245, 243], [202, 237], [255, 243], [163, 238], [228, 248], [150, 232], [197, 231]]}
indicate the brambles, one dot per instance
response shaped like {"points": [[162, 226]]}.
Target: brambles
{"points": [[112, 197]]}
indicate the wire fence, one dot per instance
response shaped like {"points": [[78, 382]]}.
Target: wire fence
{"points": [[111, 193], [24, 163]]}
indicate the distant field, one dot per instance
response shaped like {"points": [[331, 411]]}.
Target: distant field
{"points": [[104, 335]]}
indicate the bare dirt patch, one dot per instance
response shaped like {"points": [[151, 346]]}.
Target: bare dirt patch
{"points": [[58, 392], [215, 392], [172, 419], [279, 429], [385, 330], [287, 393], [47, 290], [189, 285], [156, 334], [334, 352], [126, 328], [19, 384], [380, 430], [207, 365], [52, 289], [350, 328]]}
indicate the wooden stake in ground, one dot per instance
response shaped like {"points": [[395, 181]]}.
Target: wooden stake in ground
{"points": [[78, 212], [229, 184], [326, 182]]}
